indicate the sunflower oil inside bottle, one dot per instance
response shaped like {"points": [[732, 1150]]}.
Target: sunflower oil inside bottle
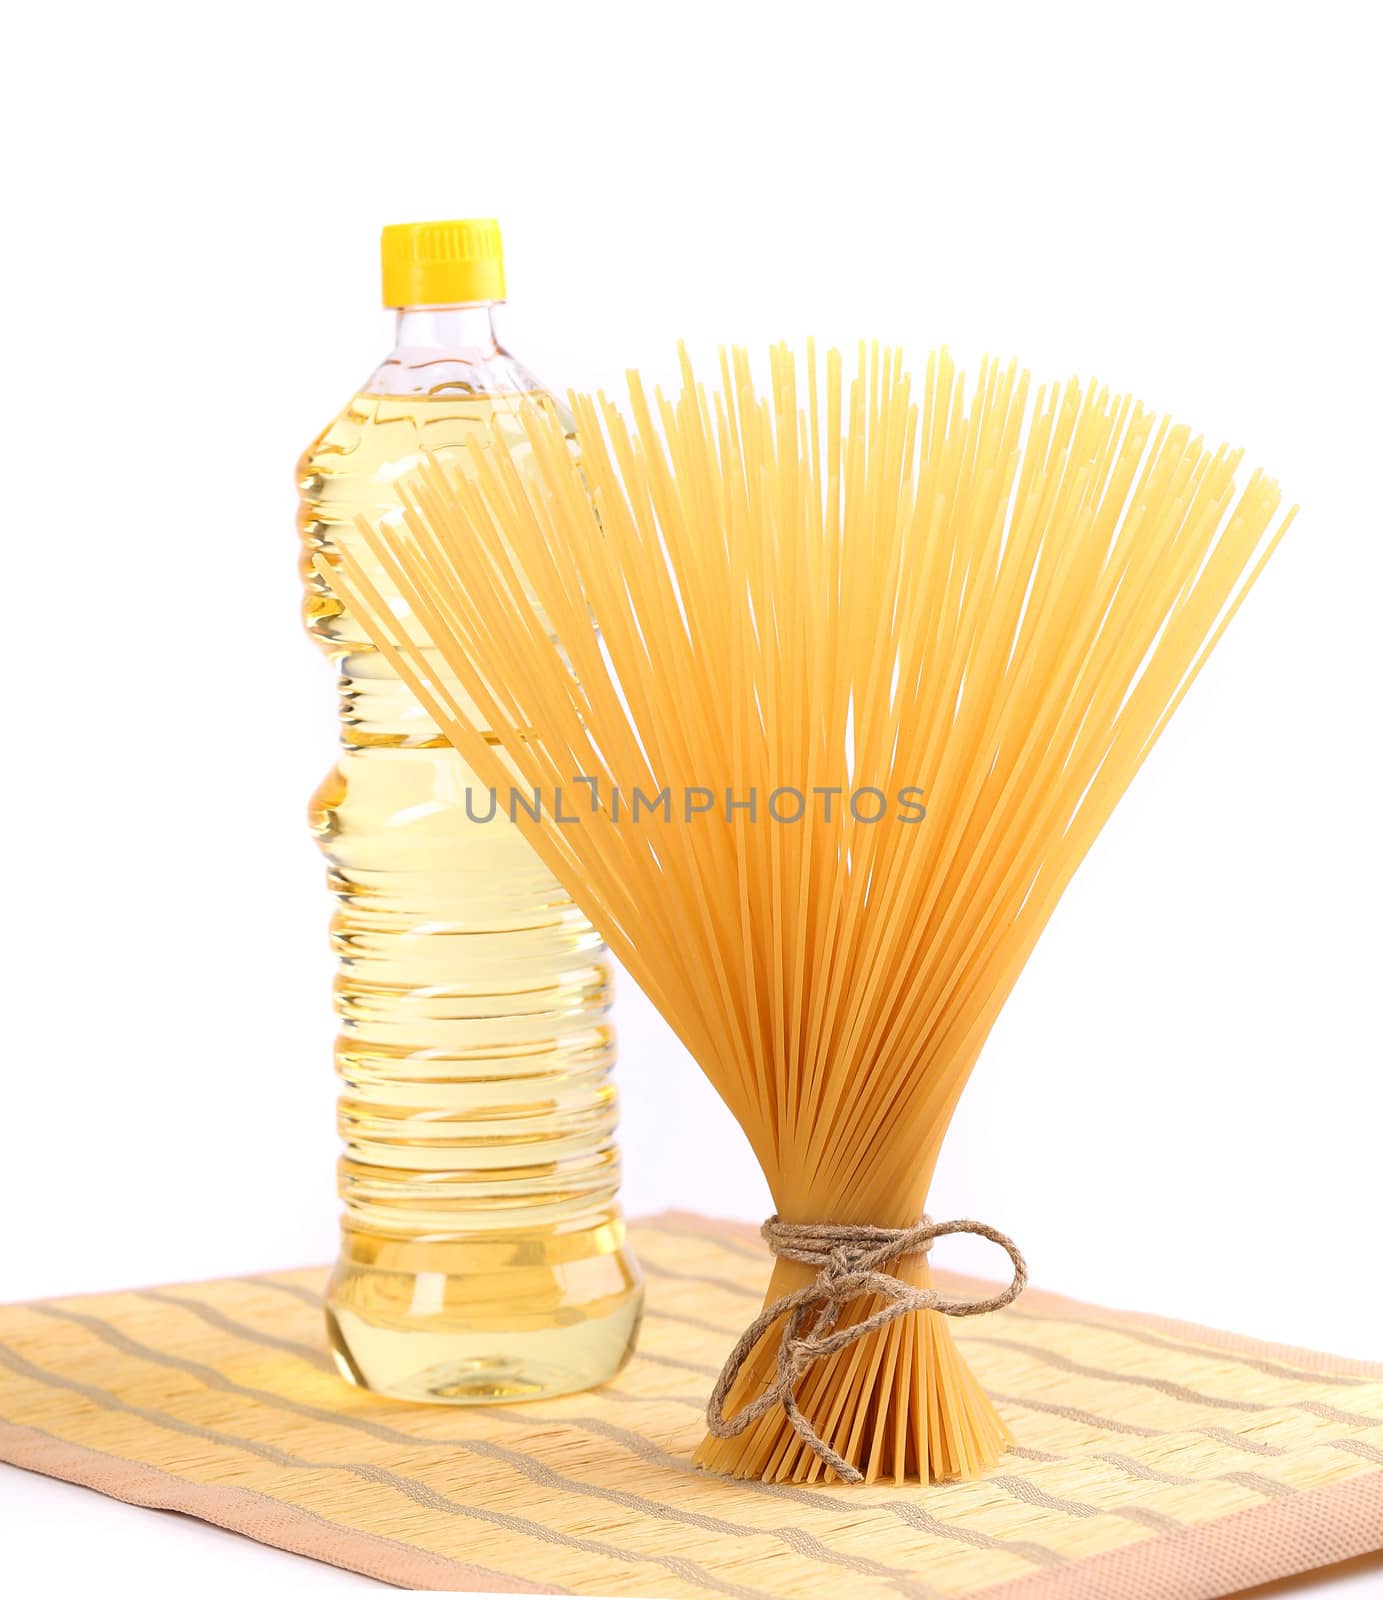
{"points": [[482, 1254]]}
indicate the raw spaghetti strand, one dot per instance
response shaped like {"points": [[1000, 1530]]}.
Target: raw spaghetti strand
{"points": [[834, 591]]}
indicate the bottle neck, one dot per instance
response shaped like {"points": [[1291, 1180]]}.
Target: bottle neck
{"points": [[449, 351], [465, 331]]}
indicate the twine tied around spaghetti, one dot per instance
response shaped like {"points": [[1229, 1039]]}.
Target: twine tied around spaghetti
{"points": [[849, 1261]]}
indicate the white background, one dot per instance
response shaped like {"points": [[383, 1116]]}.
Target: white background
{"points": [[1180, 1108]]}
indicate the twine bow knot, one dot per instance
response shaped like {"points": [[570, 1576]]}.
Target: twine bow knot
{"points": [[848, 1261]]}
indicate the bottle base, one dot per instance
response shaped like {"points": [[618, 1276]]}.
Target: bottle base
{"points": [[526, 1329], [460, 1368]]}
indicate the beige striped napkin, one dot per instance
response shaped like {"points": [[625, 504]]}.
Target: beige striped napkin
{"points": [[1153, 1459]]}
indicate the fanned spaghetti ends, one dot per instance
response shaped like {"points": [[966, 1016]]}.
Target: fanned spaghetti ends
{"points": [[814, 699]]}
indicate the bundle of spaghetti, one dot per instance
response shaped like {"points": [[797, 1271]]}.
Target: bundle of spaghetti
{"points": [[913, 648]]}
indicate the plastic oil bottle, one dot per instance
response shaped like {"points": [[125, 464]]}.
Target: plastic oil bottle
{"points": [[483, 1254]]}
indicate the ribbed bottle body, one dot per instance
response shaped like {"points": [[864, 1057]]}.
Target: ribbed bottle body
{"points": [[483, 1252]]}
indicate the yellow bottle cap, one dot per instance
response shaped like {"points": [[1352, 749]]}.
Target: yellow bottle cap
{"points": [[442, 263]]}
